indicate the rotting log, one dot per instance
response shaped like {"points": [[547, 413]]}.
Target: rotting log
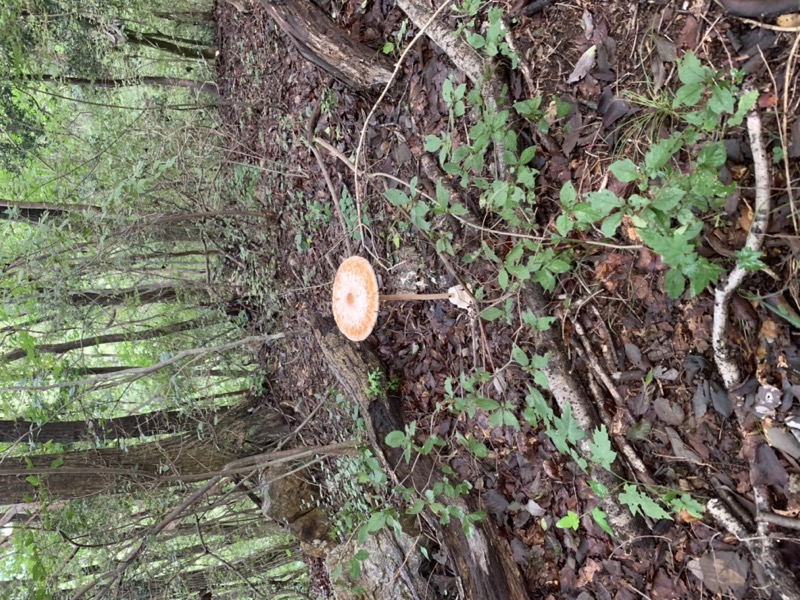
{"points": [[318, 40], [482, 562]]}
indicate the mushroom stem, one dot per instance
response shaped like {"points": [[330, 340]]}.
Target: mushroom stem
{"points": [[443, 296]]}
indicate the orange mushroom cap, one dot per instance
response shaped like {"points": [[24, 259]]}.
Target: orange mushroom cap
{"points": [[355, 298]]}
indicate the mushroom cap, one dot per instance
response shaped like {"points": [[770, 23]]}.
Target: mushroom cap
{"points": [[355, 298]]}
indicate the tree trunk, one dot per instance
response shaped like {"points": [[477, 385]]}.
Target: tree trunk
{"points": [[482, 562], [320, 41], [110, 338], [35, 212], [69, 432], [207, 87], [155, 40], [140, 467], [143, 294]]}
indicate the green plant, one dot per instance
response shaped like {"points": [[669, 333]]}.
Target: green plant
{"points": [[492, 41], [669, 205], [566, 435]]}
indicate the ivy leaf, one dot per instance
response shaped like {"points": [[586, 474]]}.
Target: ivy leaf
{"points": [[600, 447], [570, 521]]}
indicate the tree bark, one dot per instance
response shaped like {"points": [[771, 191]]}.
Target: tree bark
{"points": [[69, 432], [207, 87], [110, 338], [482, 562], [321, 42], [140, 467]]}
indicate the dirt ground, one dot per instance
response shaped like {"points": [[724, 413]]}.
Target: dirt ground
{"points": [[615, 292]]}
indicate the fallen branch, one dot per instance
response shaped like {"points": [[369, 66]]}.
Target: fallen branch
{"points": [[727, 366], [760, 547]]}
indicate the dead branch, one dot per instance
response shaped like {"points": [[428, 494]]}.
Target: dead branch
{"points": [[727, 366]]}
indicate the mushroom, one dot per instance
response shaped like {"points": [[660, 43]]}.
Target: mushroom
{"points": [[356, 298]]}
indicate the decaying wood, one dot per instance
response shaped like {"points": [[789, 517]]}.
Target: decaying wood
{"points": [[319, 41], [482, 562]]}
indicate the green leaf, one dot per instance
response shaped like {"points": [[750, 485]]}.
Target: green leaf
{"points": [[667, 198], [689, 94], [527, 155], [376, 522], [432, 143], [502, 279], [564, 224], [570, 521], [598, 488], [33, 480], [396, 197], [691, 71], [475, 40], [624, 170], [674, 283], [611, 224], [721, 101], [639, 503], [701, 274], [491, 314], [749, 259], [514, 254], [395, 439], [600, 447], [746, 102], [529, 108], [447, 91], [600, 518], [568, 195], [688, 504], [660, 154], [604, 201], [486, 404], [519, 355], [712, 155]]}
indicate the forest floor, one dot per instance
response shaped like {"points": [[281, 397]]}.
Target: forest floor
{"points": [[657, 349]]}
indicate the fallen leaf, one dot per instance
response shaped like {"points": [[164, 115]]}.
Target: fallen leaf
{"points": [[670, 413], [767, 469], [722, 572], [584, 65]]}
